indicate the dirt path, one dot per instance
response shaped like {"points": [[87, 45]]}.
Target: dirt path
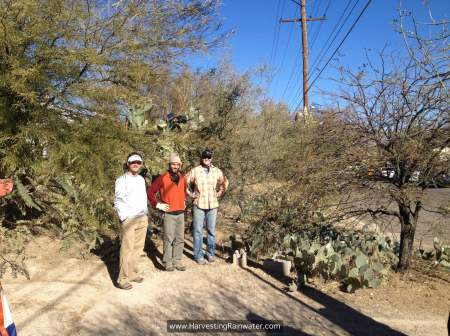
{"points": [[78, 297]]}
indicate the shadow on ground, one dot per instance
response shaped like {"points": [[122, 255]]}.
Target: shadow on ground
{"points": [[154, 255], [348, 319], [224, 293], [206, 294], [256, 319], [217, 293]]}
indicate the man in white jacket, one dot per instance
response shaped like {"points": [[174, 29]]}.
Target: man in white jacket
{"points": [[131, 205]]}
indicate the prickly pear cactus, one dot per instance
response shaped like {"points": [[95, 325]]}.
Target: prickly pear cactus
{"points": [[136, 115], [189, 122], [442, 255], [344, 257]]}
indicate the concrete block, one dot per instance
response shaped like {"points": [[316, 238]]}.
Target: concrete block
{"points": [[278, 264], [240, 259]]}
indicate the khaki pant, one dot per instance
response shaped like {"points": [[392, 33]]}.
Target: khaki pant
{"points": [[134, 231], [173, 239]]}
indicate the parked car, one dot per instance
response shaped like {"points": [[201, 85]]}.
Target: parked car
{"points": [[372, 172], [434, 180], [369, 171], [388, 172], [415, 177], [442, 181]]}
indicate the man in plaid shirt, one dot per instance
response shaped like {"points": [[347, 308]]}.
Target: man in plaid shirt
{"points": [[205, 178]]}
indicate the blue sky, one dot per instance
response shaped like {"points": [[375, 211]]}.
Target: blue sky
{"points": [[261, 38]]}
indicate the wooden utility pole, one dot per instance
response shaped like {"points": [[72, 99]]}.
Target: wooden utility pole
{"points": [[305, 52], [305, 58]]}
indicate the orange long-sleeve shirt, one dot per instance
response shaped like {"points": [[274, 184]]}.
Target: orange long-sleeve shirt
{"points": [[169, 192]]}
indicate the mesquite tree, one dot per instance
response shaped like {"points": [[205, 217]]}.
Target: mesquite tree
{"points": [[67, 70], [394, 116]]}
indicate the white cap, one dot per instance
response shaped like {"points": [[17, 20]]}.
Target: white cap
{"points": [[134, 158]]}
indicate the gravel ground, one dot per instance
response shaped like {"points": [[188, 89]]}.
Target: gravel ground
{"points": [[71, 296]]}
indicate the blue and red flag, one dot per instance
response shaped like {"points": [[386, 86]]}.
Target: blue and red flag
{"points": [[7, 327]]}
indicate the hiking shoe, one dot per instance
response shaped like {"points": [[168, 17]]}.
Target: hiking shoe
{"points": [[180, 267], [200, 261], [210, 259], [169, 268], [126, 286], [138, 280]]}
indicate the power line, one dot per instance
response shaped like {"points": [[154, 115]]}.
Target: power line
{"points": [[314, 37], [342, 26], [320, 26], [293, 71], [287, 45], [276, 44], [314, 15], [325, 44], [337, 48], [328, 7], [305, 50], [295, 65], [275, 32], [297, 73], [331, 43], [278, 36], [295, 62], [314, 7]]}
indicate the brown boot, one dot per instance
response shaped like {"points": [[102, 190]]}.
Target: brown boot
{"points": [[180, 267]]}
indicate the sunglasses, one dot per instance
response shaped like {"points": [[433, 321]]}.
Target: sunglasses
{"points": [[136, 162], [207, 158]]}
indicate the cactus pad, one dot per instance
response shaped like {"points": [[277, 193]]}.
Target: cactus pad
{"points": [[368, 274], [360, 260], [353, 273], [374, 283], [363, 268], [347, 251], [377, 267]]}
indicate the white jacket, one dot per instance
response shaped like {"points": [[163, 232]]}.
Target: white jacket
{"points": [[130, 197]]}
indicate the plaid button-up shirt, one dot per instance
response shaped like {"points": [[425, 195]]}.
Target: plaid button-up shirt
{"points": [[205, 184]]}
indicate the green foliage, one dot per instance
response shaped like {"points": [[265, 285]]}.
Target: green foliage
{"points": [[63, 108], [255, 244], [317, 257], [136, 115], [442, 253], [377, 267], [360, 261], [87, 235], [244, 128], [25, 196], [293, 286], [69, 115]]}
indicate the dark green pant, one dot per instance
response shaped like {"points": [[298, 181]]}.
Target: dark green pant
{"points": [[173, 239]]}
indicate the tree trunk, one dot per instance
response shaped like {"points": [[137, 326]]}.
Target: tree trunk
{"points": [[408, 221]]}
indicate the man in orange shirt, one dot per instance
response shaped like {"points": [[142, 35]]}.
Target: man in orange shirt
{"points": [[172, 192]]}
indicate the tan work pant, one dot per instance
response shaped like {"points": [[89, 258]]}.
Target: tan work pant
{"points": [[134, 231]]}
